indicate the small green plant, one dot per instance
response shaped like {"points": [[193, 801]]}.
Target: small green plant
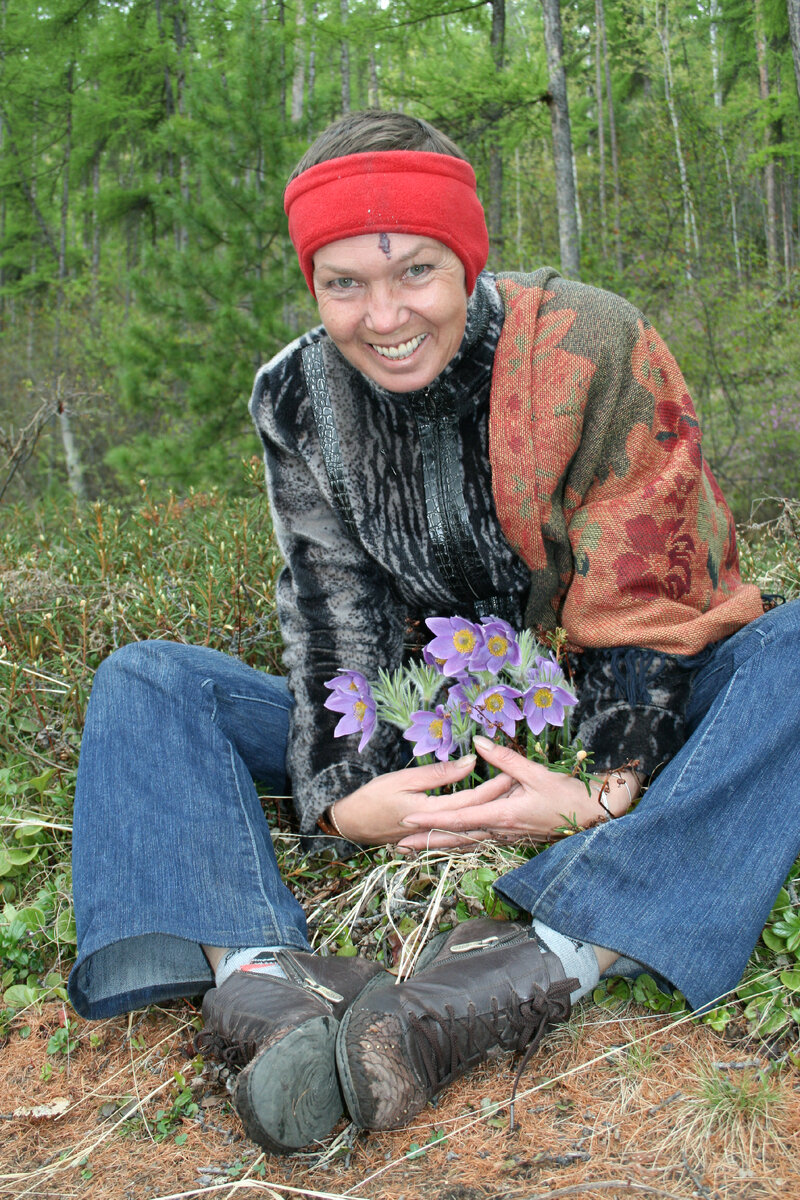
{"points": [[417, 1150], [168, 1121], [65, 1039], [479, 883]]}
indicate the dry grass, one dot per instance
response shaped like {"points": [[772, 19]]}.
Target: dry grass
{"points": [[612, 1107]]}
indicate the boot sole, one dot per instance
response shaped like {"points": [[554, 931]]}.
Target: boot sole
{"points": [[383, 1094], [289, 1096]]}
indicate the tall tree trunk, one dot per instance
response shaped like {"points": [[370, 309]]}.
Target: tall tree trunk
{"points": [[714, 14], [95, 228], [312, 61], [612, 137], [345, 59], [691, 240], [601, 128], [770, 190], [518, 205], [793, 8], [72, 458], [299, 73], [495, 206], [568, 237], [281, 54]]}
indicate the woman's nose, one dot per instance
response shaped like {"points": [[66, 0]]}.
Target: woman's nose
{"points": [[385, 310]]}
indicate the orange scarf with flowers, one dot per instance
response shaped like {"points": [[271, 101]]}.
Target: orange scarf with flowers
{"points": [[599, 477]]}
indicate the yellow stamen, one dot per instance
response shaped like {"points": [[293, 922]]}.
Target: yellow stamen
{"points": [[464, 640], [435, 727], [543, 697], [359, 708], [494, 703], [498, 645]]}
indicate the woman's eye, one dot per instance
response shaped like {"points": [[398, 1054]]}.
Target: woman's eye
{"points": [[417, 270], [344, 283]]}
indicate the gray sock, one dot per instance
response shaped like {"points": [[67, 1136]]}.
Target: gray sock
{"points": [[577, 958], [256, 960]]}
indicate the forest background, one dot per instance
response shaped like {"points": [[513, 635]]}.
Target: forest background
{"points": [[647, 146]]}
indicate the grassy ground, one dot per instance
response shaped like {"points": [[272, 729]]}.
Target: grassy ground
{"points": [[632, 1097]]}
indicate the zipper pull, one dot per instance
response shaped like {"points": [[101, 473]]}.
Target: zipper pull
{"points": [[326, 993], [462, 947]]}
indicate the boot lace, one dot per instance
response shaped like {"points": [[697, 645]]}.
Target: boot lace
{"points": [[212, 1045], [446, 1053]]}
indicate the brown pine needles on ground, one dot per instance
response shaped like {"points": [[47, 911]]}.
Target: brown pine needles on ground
{"points": [[613, 1106]]}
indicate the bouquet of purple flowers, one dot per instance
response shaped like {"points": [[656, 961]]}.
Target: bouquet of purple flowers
{"points": [[473, 678]]}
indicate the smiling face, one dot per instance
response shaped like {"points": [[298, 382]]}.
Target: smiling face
{"points": [[394, 304]]}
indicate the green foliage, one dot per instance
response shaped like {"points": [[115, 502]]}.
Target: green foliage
{"points": [[77, 582], [74, 585], [145, 271], [169, 1121]]}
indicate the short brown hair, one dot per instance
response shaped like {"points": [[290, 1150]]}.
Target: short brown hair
{"points": [[372, 130]]}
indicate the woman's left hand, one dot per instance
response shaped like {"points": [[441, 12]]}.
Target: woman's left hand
{"points": [[526, 802]]}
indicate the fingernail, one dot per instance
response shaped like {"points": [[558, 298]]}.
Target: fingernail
{"points": [[409, 824], [483, 743], [468, 760]]}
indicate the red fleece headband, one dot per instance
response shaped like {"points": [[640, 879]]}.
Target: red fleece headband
{"points": [[390, 191]]}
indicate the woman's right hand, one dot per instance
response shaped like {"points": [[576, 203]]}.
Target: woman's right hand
{"points": [[373, 815]]}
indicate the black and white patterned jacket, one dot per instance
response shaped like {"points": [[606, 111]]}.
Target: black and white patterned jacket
{"points": [[414, 471]]}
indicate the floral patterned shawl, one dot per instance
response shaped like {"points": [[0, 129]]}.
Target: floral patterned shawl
{"points": [[599, 477]]}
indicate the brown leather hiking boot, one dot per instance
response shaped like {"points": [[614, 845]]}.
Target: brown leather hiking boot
{"points": [[283, 1032], [484, 987]]}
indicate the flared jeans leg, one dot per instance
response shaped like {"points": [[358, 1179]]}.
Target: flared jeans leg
{"points": [[685, 882], [171, 849]]}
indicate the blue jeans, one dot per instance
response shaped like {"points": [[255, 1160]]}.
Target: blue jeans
{"points": [[171, 848], [686, 881]]}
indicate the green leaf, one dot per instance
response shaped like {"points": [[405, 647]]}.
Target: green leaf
{"points": [[9, 859], [31, 917], [791, 980], [64, 927], [20, 996], [40, 782], [772, 940]]}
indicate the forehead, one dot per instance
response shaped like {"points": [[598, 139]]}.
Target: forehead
{"points": [[369, 246]]}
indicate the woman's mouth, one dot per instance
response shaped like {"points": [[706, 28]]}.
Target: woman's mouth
{"points": [[404, 350]]}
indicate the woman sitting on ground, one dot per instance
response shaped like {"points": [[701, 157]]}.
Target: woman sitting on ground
{"points": [[447, 442]]}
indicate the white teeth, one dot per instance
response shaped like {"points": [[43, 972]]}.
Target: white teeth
{"points": [[402, 351]]}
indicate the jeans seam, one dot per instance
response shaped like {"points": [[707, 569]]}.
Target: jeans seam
{"points": [[567, 866], [256, 700], [210, 683], [707, 733], [254, 847], [586, 842]]}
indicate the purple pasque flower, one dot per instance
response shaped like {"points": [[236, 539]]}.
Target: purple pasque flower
{"points": [[455, 643], [500, 647], [547, 668], [350, 681], [431, 733], [495, 709], [545, 700], [359, 715], [458, 694], [352, 696]]}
